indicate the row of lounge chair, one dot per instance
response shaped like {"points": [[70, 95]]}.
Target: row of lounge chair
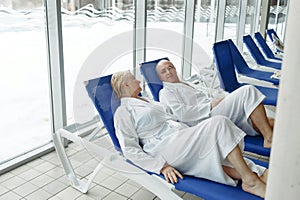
{"points": [[227, 58]]}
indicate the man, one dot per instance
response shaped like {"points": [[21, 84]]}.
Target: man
{"points": [[243, 106]]}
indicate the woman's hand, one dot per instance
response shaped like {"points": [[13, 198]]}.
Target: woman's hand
{"points": [[170, 173]]}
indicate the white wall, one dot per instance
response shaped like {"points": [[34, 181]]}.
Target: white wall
{"points": [[284, 174]]}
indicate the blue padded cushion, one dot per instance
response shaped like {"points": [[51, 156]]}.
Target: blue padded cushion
{"points": [[148, 70], [106, 103], [242, 67], [257, 55], [265, 47]]}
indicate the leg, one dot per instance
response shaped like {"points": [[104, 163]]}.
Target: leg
{"points": [[232, 172], [261, 122], [251, 182]]}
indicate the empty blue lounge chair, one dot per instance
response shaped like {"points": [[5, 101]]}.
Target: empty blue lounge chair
{"points": [[257, 55], [265, 47], [242, 67], [271, 32], [102, 96], [227, 76], [252, 143]]}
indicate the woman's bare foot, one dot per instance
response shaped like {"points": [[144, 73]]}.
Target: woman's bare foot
{"points": [[264, 176], [255, 186]]}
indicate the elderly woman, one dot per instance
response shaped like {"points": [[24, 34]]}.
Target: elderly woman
{"points": [[243, 106], [152, 138]]}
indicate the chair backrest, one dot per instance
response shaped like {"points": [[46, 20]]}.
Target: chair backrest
{"points": [[225, 66], [254, 50], [238, 60], [270, 32], [148, 70], [264, 46], [106, 103]]}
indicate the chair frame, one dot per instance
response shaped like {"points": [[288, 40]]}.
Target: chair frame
{"points": [[153, 182]]}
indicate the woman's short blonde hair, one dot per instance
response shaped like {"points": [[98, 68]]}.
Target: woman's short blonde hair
{"points": [[116, 81]]}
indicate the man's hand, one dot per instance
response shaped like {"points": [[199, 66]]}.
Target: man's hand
{"points": [[170, 173]]}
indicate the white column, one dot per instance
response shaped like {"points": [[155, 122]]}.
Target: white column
{"points": [[284, 174]]}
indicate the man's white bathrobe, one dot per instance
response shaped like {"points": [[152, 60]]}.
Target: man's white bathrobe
{"points": [[150, 137], [192, 106]]}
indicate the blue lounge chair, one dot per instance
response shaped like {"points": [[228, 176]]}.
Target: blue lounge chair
{"points": [[227, 76], [257, 55], [271, 32], [149, 72], [102, 96], [242, 67], [265, 47], [252, 143]]}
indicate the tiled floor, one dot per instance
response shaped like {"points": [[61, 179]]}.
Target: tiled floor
{"points": [[44, 178]]}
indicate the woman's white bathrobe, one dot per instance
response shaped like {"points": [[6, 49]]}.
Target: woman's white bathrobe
{"points": [[149, 136], [191, 105]]}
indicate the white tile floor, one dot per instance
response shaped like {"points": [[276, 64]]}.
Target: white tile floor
{"points": [[44, 178]]}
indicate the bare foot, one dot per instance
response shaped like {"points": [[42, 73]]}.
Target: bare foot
{"points": [[267, 143], [271, 122], [264, 176], [256, 187]]}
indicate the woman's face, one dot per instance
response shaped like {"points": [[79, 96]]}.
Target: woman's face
{"points": [[133, 86]]}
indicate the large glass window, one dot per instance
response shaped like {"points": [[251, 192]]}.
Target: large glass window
{"points": [[25, 103], [165, 20], [87, 28], [277, 16]]}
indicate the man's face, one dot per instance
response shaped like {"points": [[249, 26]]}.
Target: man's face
{"points": [[167, 72]]}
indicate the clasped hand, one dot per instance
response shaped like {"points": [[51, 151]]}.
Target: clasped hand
{"points": [[170, 173]]}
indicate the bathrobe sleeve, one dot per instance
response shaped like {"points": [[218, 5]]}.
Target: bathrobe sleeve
{"points": [[129, 142], [186, 107]]}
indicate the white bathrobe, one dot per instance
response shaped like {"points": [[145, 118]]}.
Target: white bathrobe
{"points": [[191, 105], [149, 136]]}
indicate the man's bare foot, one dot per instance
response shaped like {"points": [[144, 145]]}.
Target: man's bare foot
{"points": [[264, 176], [256, 187], [271, 122], [267, 143]]}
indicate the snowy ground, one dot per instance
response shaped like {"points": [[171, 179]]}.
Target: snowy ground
{"points": [[25, 105]]}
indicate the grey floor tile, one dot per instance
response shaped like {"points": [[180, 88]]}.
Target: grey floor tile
{"points": [[10, 196], [30, 174], [114, 196], [42, 180], [68, 194], [39, 195], [35, 162], [127, 190], [25, 189], [54, 187], [97, 192], [111, 183], [13, 182], [44, 167], [6, 176], [20, 169], [3, 190], [142, 194], [56, 172]]}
